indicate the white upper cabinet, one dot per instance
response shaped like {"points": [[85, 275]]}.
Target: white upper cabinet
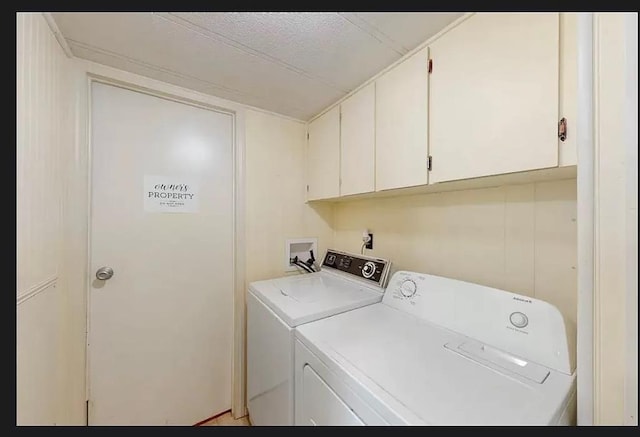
{"points": [[323, 156], [493, 104], [357, 142], [401, 124], [483, 99]]}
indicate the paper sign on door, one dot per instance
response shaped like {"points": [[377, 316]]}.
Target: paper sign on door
{"points": [[170, 194]]}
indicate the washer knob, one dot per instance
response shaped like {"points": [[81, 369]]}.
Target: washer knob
{"points": [[518, 319], [368, 269]]}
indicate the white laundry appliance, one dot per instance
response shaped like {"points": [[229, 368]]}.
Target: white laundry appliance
{"points": [[276, 307], [437, 351]]}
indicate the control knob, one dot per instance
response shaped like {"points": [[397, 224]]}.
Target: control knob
{"points": [[408, 288], [368, 269], [518, 319], [331, 259]]}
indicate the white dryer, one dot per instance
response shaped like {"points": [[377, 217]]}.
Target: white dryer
{"points": [[437, 351], [276, 307]]}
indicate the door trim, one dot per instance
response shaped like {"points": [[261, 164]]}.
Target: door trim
{"points": [[587, 192], [631, 298], [238, 366]]}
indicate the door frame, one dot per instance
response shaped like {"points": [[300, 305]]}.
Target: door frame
{"points": [[587, 191], [238, 365], [631, 131], [590, 225]]}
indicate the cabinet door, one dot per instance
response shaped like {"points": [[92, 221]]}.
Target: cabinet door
{"points": [[323, 156], [568, 105], [357, 142], [494, 96], [401, 124]]}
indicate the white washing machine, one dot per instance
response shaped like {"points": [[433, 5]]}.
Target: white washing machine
{"points": [[437, 351], [276, 307]]}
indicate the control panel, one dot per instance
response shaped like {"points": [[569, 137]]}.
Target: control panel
{"points": [[374, 270], [406, 288], [520, 325]]}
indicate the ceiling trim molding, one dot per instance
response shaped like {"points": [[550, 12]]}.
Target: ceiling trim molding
{"points": [[193, 27], [444, 30], [184, 77], [56, 32], [154, 67], [370, 29], [111, 74]]}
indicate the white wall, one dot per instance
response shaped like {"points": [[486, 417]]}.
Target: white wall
{"points": [[520, 238], [43, 135], [275, 195]]}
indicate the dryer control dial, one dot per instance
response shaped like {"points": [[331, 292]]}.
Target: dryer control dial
{"points": [[408, 288], [368, 269], [518, 319]]}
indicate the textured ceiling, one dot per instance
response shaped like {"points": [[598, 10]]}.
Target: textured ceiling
{"points": [[292, 63]]}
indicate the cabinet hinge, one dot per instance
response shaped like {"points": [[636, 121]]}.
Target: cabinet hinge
{"points": [[429, 162], [562, 129], [430, 65]]}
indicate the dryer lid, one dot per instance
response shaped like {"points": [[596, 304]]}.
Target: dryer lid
{"points": [[523, 326], [407, 369]]}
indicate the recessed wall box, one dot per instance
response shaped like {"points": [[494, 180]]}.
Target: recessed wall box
{"points": [[300, 247]]}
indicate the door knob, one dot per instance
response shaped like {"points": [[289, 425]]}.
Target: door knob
{"points": [[104, 273]]}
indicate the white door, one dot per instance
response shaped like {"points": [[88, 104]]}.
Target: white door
{"points": [[402, 97], [160, 329], [323, 156], [357, 142], [321, 405], [494, 96]]}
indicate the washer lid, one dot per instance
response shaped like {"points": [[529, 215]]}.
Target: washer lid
{"points": [[304, 298], [306, 289], [405, 368]]}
